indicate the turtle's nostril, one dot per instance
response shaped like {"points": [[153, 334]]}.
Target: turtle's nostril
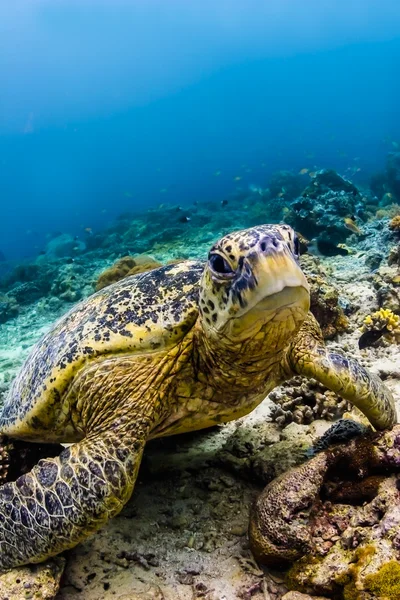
{"points": [[268, 244]]}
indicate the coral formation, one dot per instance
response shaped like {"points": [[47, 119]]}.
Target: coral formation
{"points": [[286, 185], [125, 266], [384, 321], [394, 256], [302, 400], [8, 307], [324, 299], [341, 431], [394, 224], [322, 209], [386, 283], [64, 245], [339, 526]]}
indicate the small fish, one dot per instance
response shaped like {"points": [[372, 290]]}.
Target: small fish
{"points": [[312, 173], [350, 224], [237, 178], [370, 337], [128, 194], [224, 202], [217, 173], [303, 171], [88, 230], [184, 219]]}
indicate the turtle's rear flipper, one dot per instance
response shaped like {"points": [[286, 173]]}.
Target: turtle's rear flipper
{"points": [[309, 357], [18, 457]]}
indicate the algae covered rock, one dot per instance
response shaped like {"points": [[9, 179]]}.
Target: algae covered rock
{"points": [[321, 210], [62, 246], [35, 581], [337, 519], [324, 299], [124, 267]]}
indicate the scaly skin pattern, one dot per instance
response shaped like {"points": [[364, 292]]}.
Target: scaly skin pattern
{"points": [[62, 500], [176, 349]]}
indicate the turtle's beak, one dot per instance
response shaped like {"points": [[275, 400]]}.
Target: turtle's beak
{"points": [[270, 278]]}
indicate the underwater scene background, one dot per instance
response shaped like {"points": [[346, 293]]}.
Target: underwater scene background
{"points": [[135, 134]]}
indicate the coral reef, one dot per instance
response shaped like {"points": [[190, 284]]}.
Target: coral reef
{"points": [[193, 488], [125, 266], [322, 209], [325, 297], [286, 185], [385, 322], [394, 224], [8, 307], [339, 526], [302, 400], [394, 256], [341, 431], [64, 245]]}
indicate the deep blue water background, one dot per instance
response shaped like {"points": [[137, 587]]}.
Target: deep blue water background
{"points": [[114, 106]]}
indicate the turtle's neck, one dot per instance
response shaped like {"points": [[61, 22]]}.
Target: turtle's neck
{"points": [[244, 366]]}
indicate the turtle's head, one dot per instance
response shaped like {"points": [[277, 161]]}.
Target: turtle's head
{"points": [[253, 290]]}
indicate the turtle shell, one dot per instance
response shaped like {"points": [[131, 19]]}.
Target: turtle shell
{"points": [[142, 313]]}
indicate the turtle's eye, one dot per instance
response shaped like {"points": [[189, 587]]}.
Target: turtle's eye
{"points": [[219, 265]]}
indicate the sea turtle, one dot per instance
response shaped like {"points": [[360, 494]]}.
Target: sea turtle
{"points": [[179, 348]]}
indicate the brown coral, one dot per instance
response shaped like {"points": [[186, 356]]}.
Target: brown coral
{"points": [[394, 224], [301, 400], [125, 266], [338, 517]]}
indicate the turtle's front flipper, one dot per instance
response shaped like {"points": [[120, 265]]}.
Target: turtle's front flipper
{"points": [[62, 500], [308, 356]]}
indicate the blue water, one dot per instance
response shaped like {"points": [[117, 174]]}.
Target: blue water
{"points": [[110, 106]]}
